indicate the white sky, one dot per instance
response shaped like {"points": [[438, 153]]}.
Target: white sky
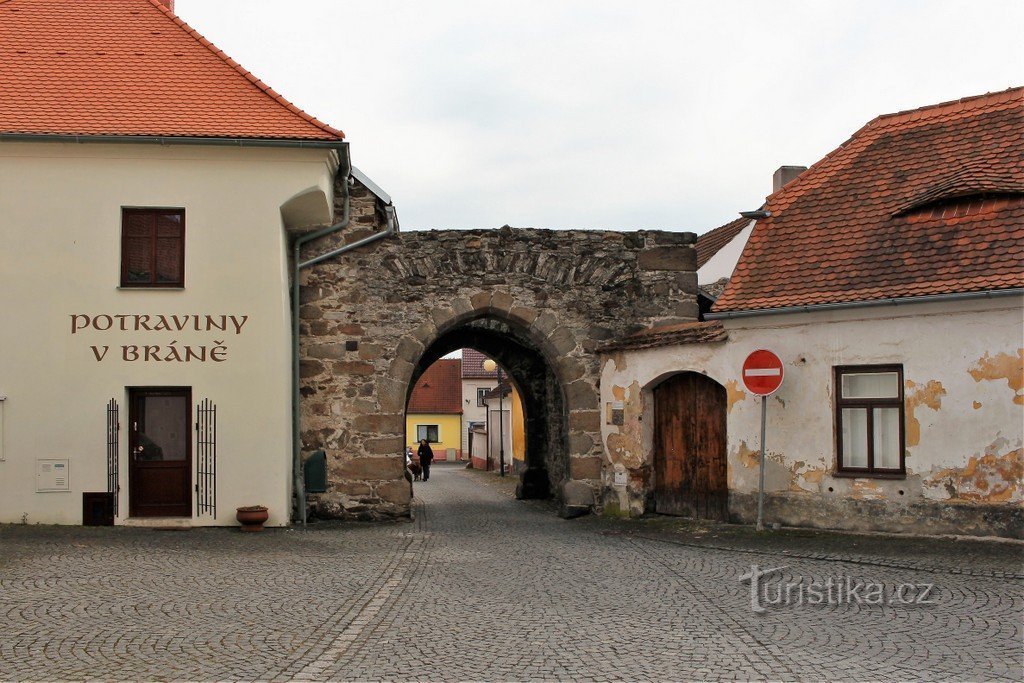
{"points": [[597, 114]]}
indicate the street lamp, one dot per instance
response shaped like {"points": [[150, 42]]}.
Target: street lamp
{"points": [[491, 366]]}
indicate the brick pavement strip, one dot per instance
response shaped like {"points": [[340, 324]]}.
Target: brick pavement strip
{"points": [[483, 587]]}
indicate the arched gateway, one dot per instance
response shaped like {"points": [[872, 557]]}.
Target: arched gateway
{"points": [[538, 301]]}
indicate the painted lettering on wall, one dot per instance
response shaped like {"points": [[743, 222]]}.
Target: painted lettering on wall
{"points": [[171, 352]]}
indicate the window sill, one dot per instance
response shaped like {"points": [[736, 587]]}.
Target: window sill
{"points": [[151, 289], [869, 475]]}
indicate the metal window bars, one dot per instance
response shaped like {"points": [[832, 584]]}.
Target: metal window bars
{"points": [[206, 458], [113, 458]]}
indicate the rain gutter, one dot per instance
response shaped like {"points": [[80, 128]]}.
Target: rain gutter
{"points": [[895, 301], [172, 140]]}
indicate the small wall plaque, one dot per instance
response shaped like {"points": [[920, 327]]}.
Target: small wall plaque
{"points": [[616, 413]]}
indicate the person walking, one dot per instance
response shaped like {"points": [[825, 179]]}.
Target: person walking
{"points": [[426, 457]]}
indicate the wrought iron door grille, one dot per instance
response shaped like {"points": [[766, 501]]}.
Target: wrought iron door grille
{"points": [[113, 459], [206, 458]]}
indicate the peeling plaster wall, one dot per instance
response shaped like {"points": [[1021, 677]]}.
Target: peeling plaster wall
{"points": [[964, 416]]}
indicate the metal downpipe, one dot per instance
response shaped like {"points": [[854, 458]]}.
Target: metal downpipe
{"points": [[298, 480]]}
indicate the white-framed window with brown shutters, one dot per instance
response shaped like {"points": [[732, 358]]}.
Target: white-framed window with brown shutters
{"points": [[152, 247], [869, 420]]}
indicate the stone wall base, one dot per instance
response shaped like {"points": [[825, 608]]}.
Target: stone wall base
{"points": [[920, 517]]}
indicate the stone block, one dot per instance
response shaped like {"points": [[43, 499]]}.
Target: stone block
{"points": [[335, 351], [442, 317], [386, 445], [545, 324], [581, 395], [570, 369], [687, 309], [585, 468], [585, 420], [425, 332], [409, 349], [563, 341], [668, 258], [352, 367], [580, 443], [370, 468], [501, 302], [481, 301], [380, 423], [400, 370], [310, 368], [523, 315], [392, 394], [350, 488], [462, 306], [370, 351], [398, 492], [310, 312], [577, 493], [666, 237]]}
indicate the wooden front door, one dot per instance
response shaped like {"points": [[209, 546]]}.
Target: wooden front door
{"points": [[160, 444], [690, 447]]}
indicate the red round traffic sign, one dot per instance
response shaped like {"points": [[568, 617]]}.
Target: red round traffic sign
{"points": [[762, 372]]}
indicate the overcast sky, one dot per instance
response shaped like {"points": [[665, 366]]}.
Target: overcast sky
{"points": [[592, 114]]}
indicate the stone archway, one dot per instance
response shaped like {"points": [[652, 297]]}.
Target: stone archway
{"points": [[528, 362], [372, 319]]}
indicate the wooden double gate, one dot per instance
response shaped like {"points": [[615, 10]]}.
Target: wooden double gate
{"points": [[690, 470]]}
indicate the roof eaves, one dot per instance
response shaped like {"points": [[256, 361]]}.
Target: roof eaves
{"points": [[868, 303]]}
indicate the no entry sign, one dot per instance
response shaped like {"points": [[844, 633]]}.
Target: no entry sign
{"points": [[762, 372]]}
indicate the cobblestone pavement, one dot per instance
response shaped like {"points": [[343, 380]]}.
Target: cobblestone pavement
{"points": [[483, 587]]}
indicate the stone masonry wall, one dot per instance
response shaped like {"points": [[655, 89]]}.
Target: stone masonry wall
{"points": [[371, 320]]}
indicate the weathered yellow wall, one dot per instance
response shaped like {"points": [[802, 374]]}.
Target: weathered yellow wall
{"points": [[518, 427], [964, 418], [449, 429]]}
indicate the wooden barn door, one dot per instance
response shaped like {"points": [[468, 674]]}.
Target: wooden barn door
{"points": [[689, 447]]}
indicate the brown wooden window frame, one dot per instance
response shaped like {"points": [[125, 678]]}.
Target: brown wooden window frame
{"points": [[127, 212], [869, 404]]}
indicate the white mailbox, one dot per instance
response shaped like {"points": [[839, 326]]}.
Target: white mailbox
{"points": [[52, 475]]}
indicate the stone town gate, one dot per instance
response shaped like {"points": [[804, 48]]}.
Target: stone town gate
{"points": [[538, 301]]}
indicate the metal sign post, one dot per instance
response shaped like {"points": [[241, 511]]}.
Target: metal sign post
{"points": [[762, 375]]}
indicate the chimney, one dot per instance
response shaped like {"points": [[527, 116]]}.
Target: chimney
{"points": [[169, 4], [785, 175]]}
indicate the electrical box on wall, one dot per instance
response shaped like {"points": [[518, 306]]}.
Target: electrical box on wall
{"points": [[52, 475]]}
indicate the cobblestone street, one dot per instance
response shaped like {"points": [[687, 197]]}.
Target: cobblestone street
{"points": [[484, 587]]}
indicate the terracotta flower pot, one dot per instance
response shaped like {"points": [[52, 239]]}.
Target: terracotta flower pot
{"points": [[252, 517]]}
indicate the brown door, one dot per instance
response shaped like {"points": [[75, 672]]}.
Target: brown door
{"points": [[160, 444], [689, 447]]}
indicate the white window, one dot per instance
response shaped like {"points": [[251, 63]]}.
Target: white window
{"points": [[869, 420], [429, 432]]}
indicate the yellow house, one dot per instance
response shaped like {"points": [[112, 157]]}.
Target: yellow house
{"points": [[434, 411]]}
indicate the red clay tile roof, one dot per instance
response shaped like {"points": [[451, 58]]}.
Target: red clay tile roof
{"points": [[439, 389], [711, 242], [923, 202], [670, 335], [130, 67], [473, 365]]}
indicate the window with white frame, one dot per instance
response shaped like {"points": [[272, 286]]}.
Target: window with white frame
{"points": [[869, 420], [429, 432], [480, 394]]}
